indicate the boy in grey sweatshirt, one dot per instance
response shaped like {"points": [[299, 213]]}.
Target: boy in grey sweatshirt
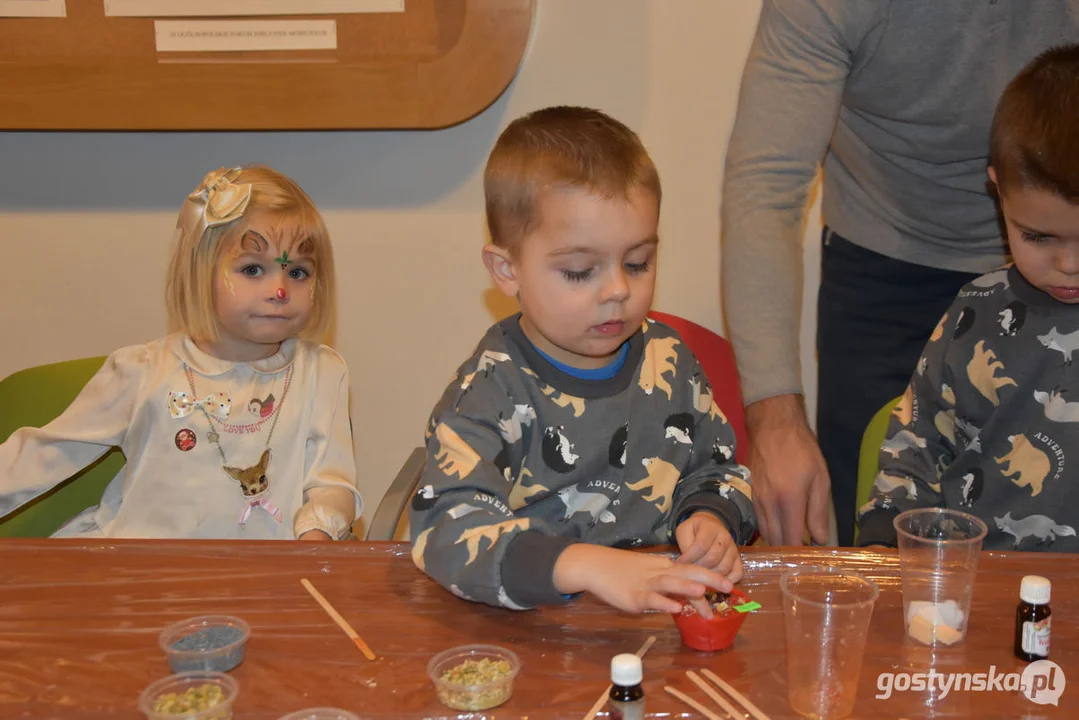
{"points": [[986, 424], [578, 429]]}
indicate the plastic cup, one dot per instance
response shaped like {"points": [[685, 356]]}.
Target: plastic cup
{"points": [[826, 612], [938, 560], [471, 695], [161, 699], [207, 642], [711, 635]]}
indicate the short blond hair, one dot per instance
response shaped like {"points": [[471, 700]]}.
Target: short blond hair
{"points": [[560, 148], [189, 285]]}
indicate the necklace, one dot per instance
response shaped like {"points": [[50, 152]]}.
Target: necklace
{"points": [[253, 480], [246, 428]]}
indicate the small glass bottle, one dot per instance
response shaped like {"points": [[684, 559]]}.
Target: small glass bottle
{"points": [[1032, 619], [626, 701]]}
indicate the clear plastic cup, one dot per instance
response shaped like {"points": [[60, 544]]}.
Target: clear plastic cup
{"points": [[167, 698], [826, 612], [207, 642], [470, 695], [938, 560], [321, 714]]}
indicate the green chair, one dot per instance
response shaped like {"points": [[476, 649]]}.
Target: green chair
{"points": [[869, 455], [33, 397]]}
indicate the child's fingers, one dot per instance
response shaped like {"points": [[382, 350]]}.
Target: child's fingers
{"points": [[696, 550], [701, 577], [662, 603], [702, 606], [673, 584], [735, 573], [686, 538], [717, 558]]}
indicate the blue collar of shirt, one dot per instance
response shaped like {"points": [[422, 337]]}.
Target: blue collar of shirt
{"points": [[604, 373]]}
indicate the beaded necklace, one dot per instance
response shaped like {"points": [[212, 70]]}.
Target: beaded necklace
{"points": [[253, 480]]}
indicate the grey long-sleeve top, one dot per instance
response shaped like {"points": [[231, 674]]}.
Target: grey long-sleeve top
{"points": [[895, 98]]}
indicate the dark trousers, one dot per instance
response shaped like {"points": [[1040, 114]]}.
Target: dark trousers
{"points": [[874, 316]]}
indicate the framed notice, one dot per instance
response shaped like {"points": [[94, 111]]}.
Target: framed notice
{"points": [[428, 64], [32, 8], [238, 35], [234, 8]]}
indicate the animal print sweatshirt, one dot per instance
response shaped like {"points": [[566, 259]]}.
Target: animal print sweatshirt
{"points": [[987, 425], [524, 460]]}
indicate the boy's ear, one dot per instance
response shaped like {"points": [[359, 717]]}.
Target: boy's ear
{"points": [[992, 175], [499, 264]]}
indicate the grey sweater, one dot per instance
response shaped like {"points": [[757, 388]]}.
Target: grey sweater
{"points": [[524, 460], [990, 421], [895, 98]]}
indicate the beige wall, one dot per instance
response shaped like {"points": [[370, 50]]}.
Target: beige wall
{"points": [[86, 219]]}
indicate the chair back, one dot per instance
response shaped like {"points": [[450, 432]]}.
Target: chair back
{"points": [[33, 398]]}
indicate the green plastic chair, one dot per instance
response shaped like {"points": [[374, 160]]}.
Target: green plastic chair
{"points": [[869, 454], [34, 397]]}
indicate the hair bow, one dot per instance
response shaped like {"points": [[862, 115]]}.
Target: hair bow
{"points": [[216, 201], [218, 405]]}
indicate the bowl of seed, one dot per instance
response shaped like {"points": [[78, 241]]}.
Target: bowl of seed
{"points": [[199, 695], [474, 677], [321, 714], [209, 642]]}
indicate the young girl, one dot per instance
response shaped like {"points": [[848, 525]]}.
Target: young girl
{"points": [[236, 425]]}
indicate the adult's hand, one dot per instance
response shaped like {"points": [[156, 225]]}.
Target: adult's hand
{"points": [[791, 487]]}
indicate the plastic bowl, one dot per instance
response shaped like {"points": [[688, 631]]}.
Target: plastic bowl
{"points": [[181, 683], [711, 635], [321, 714], [209, 642], [481, 696]]}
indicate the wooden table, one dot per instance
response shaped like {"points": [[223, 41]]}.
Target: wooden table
{"points": [[79, 623]]}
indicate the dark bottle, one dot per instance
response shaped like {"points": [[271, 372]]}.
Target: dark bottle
{"points": [[626, 701], [1032, 619]]}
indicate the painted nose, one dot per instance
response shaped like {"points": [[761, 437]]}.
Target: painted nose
{"points": [[281, 294]]}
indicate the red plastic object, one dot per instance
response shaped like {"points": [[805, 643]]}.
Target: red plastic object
{"points": [[716, 357], [715, 634]]}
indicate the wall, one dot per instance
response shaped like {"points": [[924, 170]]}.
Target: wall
{"points": [[86, 218]]}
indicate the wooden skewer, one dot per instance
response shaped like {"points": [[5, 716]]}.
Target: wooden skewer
{"points": [[739, 697], [710, 692], [603, 698], [692, 703], [341, 622]]}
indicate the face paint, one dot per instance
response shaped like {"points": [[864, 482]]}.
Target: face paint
{"points": [[281, 294], [228, 282]]}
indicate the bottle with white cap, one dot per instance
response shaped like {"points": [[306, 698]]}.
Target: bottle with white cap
{"points": [[1032, 619], [626, 701]]}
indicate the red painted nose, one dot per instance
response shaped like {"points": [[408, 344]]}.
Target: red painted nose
{"points": [[280, 293]]}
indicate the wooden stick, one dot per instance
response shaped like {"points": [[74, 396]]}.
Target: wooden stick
{"points": [[603, 698], [739, 697], [341, 622], [719, 699], [692, 703]]}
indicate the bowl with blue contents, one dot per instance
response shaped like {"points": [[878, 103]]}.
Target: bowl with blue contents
{"points": [[208, 642]]}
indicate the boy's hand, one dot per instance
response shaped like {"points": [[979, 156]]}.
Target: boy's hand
{"points": [[704, 540], [633, 581], [315, 536]]}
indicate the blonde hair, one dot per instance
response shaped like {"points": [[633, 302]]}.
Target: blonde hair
{"points": [[189, 285], [558, 148]]}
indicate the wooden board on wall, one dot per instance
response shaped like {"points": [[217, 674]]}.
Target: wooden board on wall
{"points": [[437, 64]]}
